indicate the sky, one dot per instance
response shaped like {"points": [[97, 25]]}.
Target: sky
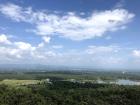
{"points": [[85, 33]]}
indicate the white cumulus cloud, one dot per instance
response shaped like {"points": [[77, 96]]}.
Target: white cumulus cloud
{"points": [[4, 39], [46, 39], [24, 46], [136, 53], [70, 25]]}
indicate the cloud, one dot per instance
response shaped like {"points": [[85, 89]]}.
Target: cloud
{"points": [[24, 46], [57, 46], [46, 39], [136, 53], [12, 11], [41, 44], [105, 56], [120, 4], [97, 56], [70, 25], [13, 50], [102, 49], [4, 39], [23, 51]]}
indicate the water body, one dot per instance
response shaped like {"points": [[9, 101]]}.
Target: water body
{"points": [[127, 82], [120, 82]]}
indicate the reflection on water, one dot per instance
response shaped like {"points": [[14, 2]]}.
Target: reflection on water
{"points": [[120, 82], [127, 82]]}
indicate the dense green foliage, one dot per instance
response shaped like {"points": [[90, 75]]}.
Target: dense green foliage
{"points": [[69, 93], [62, 75]]}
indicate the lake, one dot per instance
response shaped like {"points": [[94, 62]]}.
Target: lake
{"points": [[120, 82]]}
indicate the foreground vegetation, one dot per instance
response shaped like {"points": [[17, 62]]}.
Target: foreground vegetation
{"points": [[33, 88], [69, 93]]}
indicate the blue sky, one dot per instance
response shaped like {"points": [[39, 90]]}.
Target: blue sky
{"points": [[91, 33]]}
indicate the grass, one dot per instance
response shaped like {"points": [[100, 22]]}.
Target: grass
{"points": [[13, 82]]}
